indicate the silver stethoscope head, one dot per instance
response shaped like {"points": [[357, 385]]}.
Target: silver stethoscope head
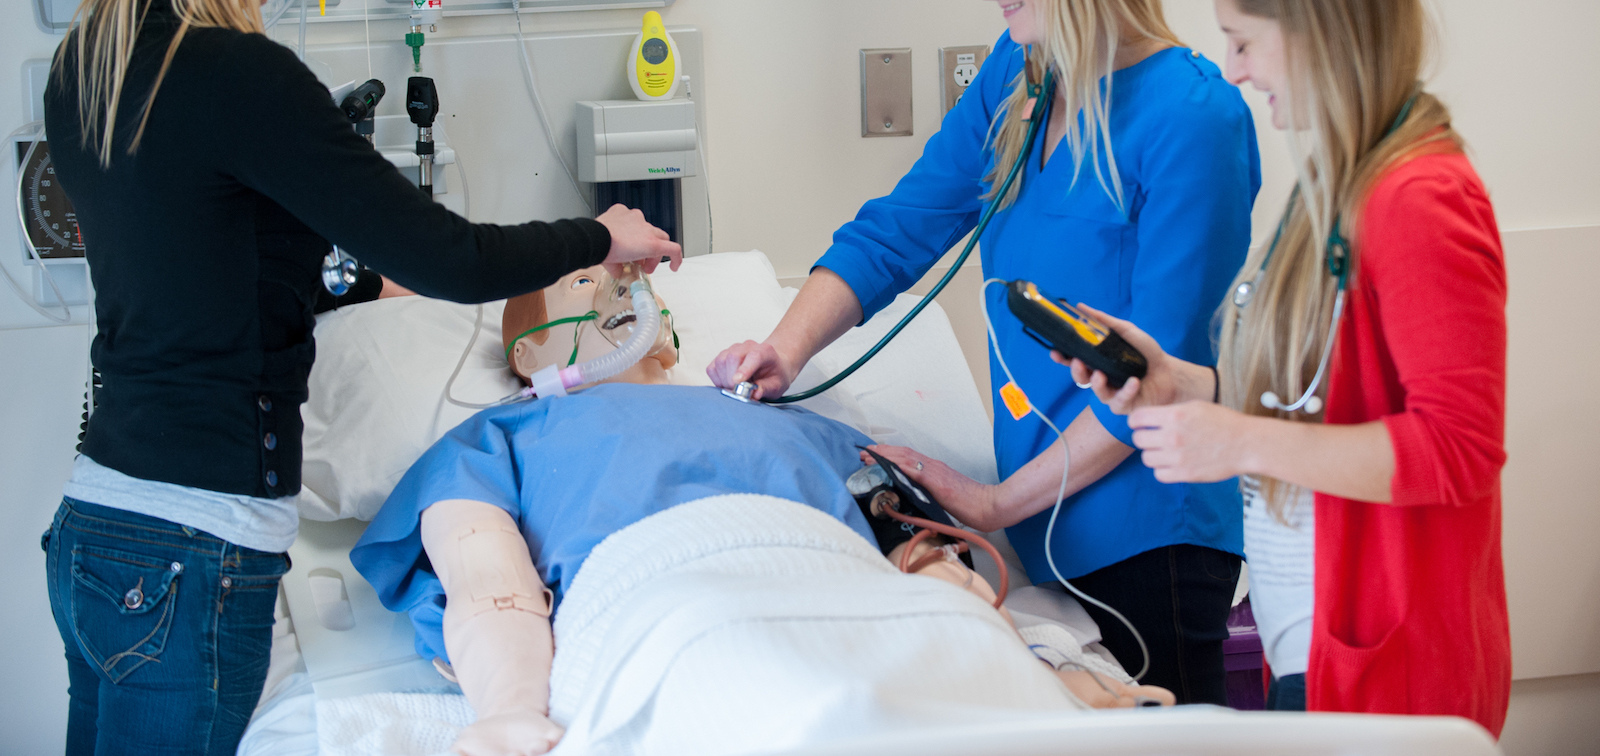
{"points": [[744, 392], [1246, 290], [340, 271]]}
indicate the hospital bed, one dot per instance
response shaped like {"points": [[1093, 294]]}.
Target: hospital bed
{"points": [[344, 677]]}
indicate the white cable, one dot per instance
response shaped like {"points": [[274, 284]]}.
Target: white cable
{"points": [[302, 51], [22, 228], [277, 15], [366, 30], [461, 171], [477, 323], [1061, 493], [705, 171], [538, 107], [449, 386]]}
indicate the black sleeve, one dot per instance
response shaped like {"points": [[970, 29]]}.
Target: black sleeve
{"points": [[291, 143]]}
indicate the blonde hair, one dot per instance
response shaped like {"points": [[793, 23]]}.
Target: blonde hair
{"points": [[1353, 67], [102, 39], [1080, 41]]}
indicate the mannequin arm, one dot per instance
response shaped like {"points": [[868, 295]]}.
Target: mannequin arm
{"points": [[496, 627]]}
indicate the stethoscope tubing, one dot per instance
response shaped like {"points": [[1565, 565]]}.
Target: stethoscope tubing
{"points": [[1041, 106]]}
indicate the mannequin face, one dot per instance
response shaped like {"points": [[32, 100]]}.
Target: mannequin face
{"points": [[574, 295]]}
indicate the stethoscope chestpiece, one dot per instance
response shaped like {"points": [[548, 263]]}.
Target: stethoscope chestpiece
{"points": [[744, 392]]}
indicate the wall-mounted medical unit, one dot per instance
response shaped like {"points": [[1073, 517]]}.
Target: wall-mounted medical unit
{"points": [[638, 153], [56, 15]]}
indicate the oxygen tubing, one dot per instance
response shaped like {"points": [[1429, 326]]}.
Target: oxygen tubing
{"points": [[555, 380]]}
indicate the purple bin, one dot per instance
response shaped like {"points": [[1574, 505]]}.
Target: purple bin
{"points": [[1241, 657]]}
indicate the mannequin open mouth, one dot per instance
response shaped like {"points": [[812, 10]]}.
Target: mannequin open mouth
{"points": [[620, 319]]}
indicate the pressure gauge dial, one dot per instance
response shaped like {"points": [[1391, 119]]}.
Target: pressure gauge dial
{"points": [[50, 222]]}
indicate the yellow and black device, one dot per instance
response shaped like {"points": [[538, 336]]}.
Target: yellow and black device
{"points": [[1056, 324]]}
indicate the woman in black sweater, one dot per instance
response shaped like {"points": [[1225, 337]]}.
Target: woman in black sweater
{"points": [[211, 170]]}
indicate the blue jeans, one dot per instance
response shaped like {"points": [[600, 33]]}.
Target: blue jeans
{"points": [[168, 631], [1287, 693]]}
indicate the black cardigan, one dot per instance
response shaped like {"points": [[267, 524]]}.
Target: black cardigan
{"points": [[205, 249]]}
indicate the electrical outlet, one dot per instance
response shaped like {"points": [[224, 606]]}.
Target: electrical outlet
{"points": [[958, 67]]}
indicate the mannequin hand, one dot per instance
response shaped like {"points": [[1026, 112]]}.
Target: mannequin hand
{"points": [[634, 239], [759, 363], [1159, 385], [1091, 688], [967, 500], [1192, 442], [508, 733]]}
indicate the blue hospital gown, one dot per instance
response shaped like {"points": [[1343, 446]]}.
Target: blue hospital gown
{"points": [[573, 470]]}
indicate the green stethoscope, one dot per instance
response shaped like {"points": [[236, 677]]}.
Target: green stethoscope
{"points": [[1038, 104], [1336, 255]]}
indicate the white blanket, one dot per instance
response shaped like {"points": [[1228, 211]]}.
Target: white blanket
{"points": [[737, 624], [745, 623]]}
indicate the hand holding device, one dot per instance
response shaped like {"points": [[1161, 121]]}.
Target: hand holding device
{"points": [[1057, 325], [1167, 380], [633, 239], [754, 362]]}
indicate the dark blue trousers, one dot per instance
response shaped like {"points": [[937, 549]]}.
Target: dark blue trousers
{"points": [[1178, 597], [168, 631]]}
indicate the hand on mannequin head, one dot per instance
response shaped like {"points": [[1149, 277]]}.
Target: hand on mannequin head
{"points": [[576, 295]]}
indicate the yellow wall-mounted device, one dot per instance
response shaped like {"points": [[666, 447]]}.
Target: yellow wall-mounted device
{"points": [[654, 61]]}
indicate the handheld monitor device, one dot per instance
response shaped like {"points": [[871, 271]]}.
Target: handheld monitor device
{"points": [[1057, 325]]}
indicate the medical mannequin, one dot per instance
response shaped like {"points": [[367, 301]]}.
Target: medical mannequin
{"points": [[496, 620]]}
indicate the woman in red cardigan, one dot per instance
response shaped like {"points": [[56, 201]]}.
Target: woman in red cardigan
{"points": [[1381, 301]]}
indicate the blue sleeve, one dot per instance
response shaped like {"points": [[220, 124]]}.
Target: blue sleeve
{"points": [[1201, 171], [895, 239], [473, 462]]}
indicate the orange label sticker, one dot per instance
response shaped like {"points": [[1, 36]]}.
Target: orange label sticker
{"points": [[1016, 401]]}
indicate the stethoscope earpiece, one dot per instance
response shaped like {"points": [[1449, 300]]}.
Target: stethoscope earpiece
{"points": [[1311, 404]]}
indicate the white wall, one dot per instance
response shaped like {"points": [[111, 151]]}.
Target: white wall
{"points": [[788, 166]]}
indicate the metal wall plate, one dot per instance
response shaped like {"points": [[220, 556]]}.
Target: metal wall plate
{"points": [[886, 92], [958, 66]]}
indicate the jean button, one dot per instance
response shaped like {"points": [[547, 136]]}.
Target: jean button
{"points": [[272, 478], [227, 582], [264, 403], [270, 441], [133, 599]]}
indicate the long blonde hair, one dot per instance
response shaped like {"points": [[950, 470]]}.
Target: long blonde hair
{"points": [[102, 39], [1353, 66], [1080, 42]]}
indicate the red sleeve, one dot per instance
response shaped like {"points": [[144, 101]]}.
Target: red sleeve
{"points": [[1431, 253]]}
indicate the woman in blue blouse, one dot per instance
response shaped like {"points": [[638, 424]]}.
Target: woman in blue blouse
{"points": [[1145, 215]]}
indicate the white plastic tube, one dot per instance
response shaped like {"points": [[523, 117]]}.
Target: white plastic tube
{"points": [[555, 380]]}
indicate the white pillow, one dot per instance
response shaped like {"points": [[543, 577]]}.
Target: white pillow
{"points": [[377, 388]]}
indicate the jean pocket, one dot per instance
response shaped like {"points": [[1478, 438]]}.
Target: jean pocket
{"points": [[122, 607], [1219, 565]]}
